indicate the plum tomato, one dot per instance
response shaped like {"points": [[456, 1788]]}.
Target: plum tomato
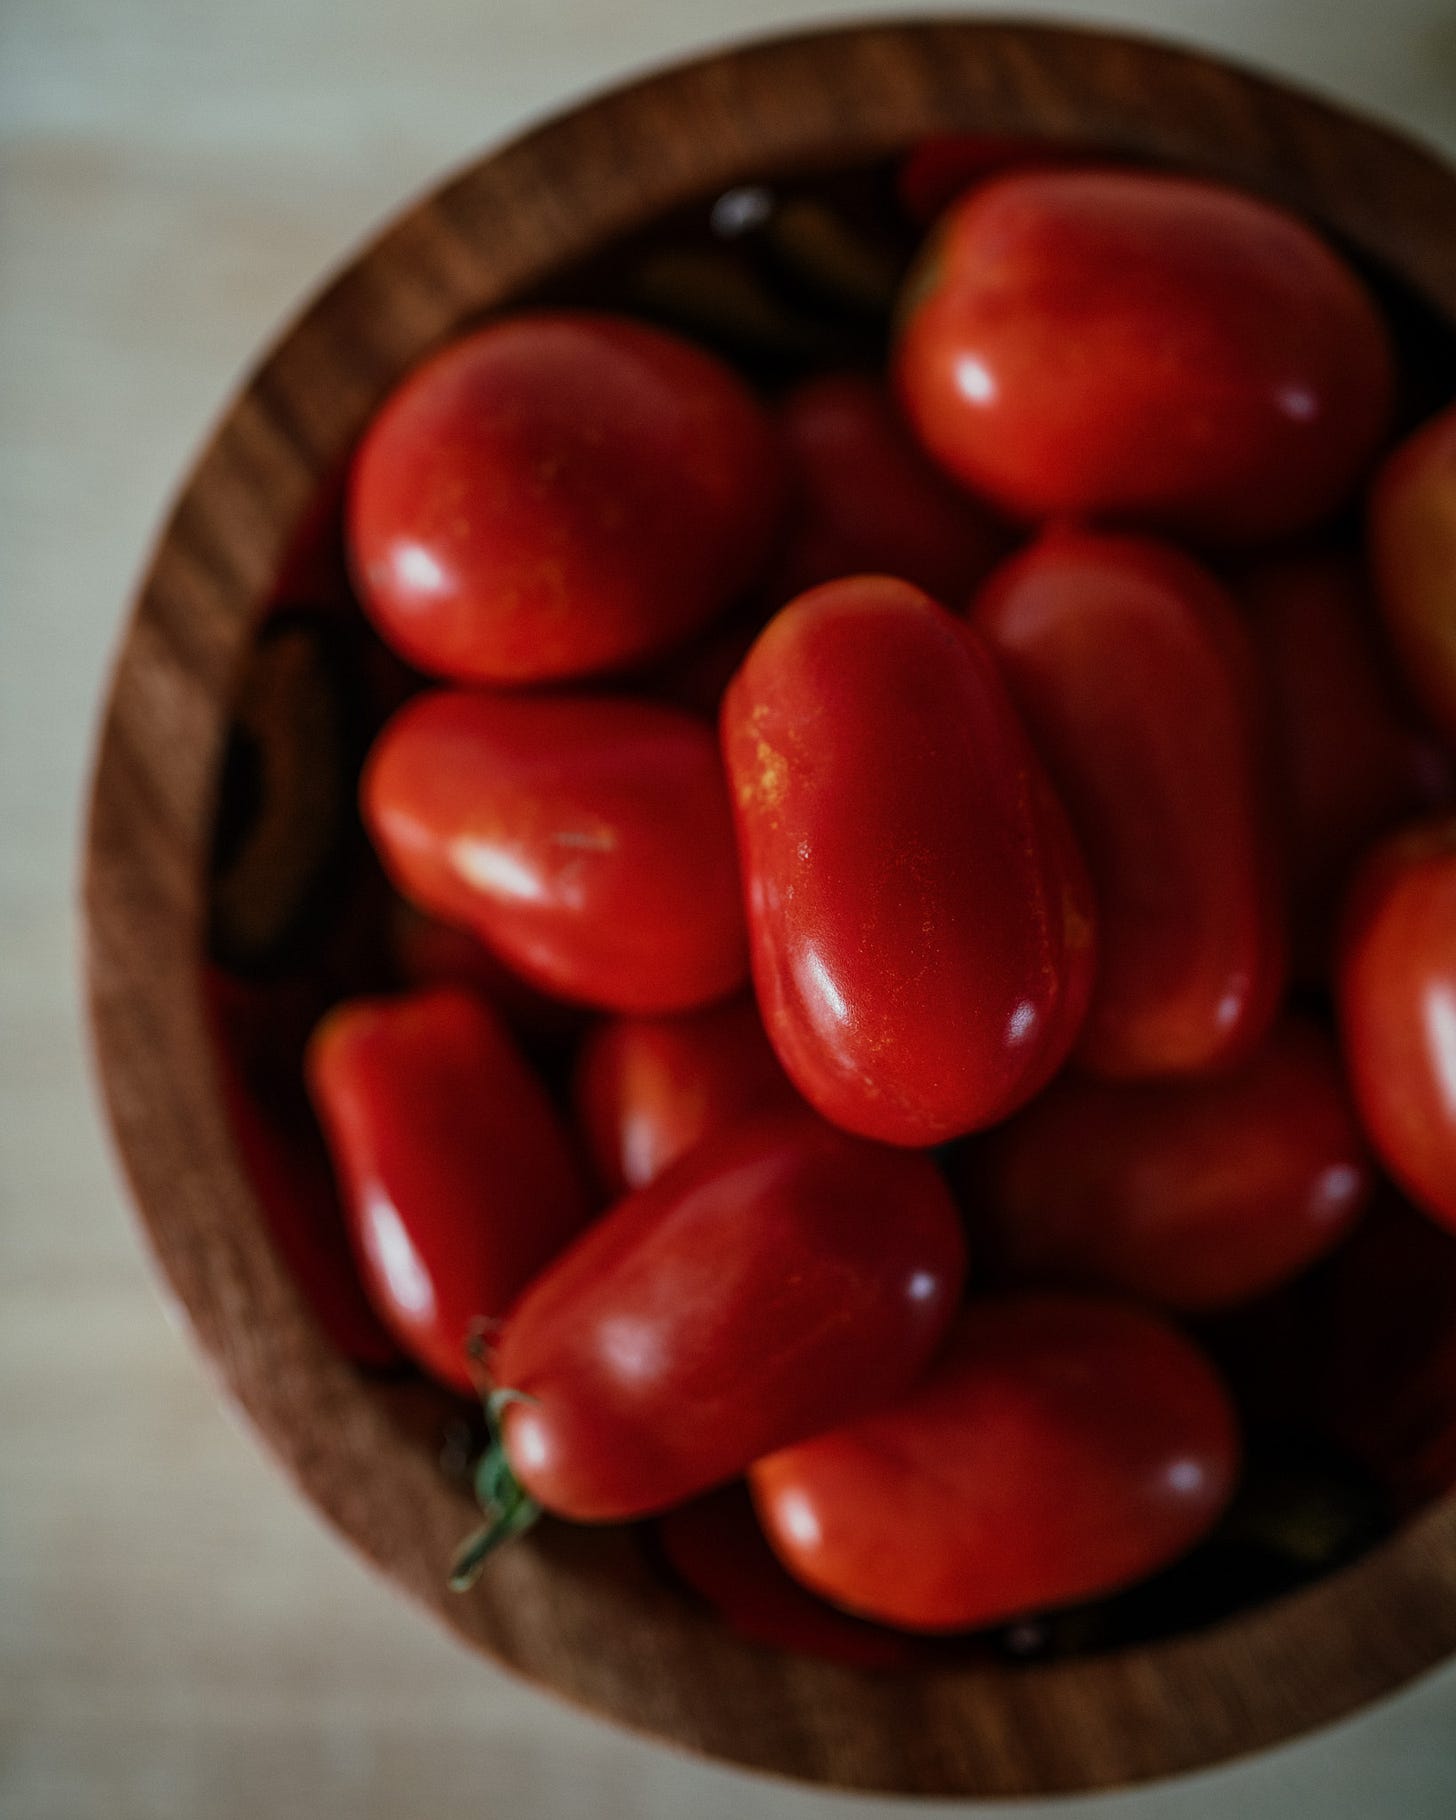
{"points": [[1139, 686], [1412, 524], [648, 1089], [869, 501], [1194, 1194], [1059, 1448], [920, 918], [587, 839], [777, 1280], [458, 1179], [1154, 349], [557, 494], [1396, 991]]}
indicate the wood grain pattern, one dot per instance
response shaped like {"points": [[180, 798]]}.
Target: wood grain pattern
{"points": [[577, 1610]]}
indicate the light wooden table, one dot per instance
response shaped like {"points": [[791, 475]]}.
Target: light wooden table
{"points": [[179, 1638]]}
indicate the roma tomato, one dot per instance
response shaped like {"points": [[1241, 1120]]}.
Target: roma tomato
{"points": [[559, 493], [1196, 1194], [1351, 758], [1060, 1447], [458, 1179], [1138, 683], [586, 839], [1396, 988], [870, 502], [780, 1278], [648, 1089], [1145, 347], [919, 914], [1413, 557]]}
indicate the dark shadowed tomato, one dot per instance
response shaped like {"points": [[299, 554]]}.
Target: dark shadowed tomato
{"points": [[870, 502], [1413, 559], [920, 917], [1351, 757], [648, 1089], [945, 165], [1396, 985], [1138, 684], [1150, 348], [716, 1547], [1059, 1448], [427, 952], [1196, 1194], [559, 493], [778, 1279], [459, 1181], [587, 839]]}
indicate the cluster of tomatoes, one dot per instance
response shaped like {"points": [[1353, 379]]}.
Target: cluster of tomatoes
{"points": [[1020, 724]]}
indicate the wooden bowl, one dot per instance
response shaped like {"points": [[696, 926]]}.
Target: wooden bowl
{"points": [[577, 1610]]}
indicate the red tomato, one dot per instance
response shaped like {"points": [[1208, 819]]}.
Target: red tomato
{"points": [[780, 1278], [426, 952], [1196, 1194], [1413, 557], [715, 1545], [920, 919], [1138, 684], [586, 839], [560, 493], [870, 502], [1351, 759], [1060, 1448], [1148, 347], [458, 1179], [941, 167], [648, 1089], [1396, 985]]}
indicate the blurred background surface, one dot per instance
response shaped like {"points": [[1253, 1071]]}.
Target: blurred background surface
{"points": [[179, 1637]]}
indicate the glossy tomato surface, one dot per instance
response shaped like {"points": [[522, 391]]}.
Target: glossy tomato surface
{"points": [[458, 1179], [780, 1278], [1194, 1194], [586, 839], [1396, 984], [1138, 684], [1153, 349], [648, 1089], [920, 917], [1413, 556], [1060, 1447], [559, 493]]}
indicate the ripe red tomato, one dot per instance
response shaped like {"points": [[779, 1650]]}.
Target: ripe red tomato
{"points": [[1351, 757], [560, 493], [648, 1089], [1059, 1448], [870, 502], [1196, 1194], [587, 839], [919, 915], [1138, 684], [1413, 556], [778, 1279], [458, 1179], [1396, 985], [1148, 347]]}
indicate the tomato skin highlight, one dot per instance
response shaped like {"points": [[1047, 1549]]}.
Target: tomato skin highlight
{"points": [[560, 493], [1396, 993], [1138, 684], [586, 839], [1059, 1448], [778, 1278], [1191, 1194], [1412, 535], [920, 919], [1153, 349], [459, 1182], [648, 1089]]}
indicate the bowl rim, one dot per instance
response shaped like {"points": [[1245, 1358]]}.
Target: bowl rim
{"points": [[576, 1610]]}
